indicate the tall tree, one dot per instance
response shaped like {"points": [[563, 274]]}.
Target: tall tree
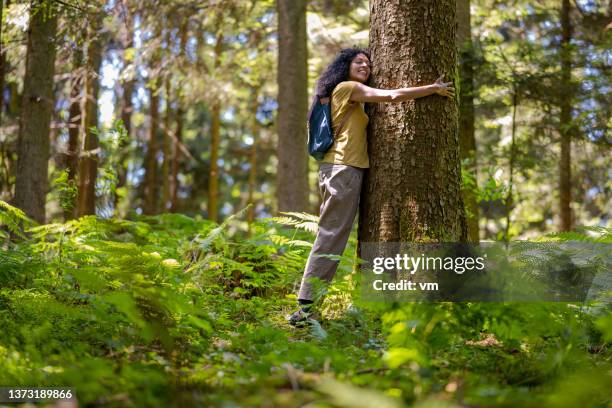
{"points": [[88, 163], [151, 177], [167, 137], [413, 189], [215, 129], [292, 188], [151, 173], [75, 121], [565, 121], [253, 157], [36, 110], [128, 83], [467, 139], [167, 133], [2, 59], [180, 115], [5, 173]]}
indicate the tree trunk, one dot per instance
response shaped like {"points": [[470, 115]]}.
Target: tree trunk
{"points": [[166, 149], [253, 159], [88, 164], [178, 137], [2, 61], [213, 182], [176, 155], [467, 140], [413, 189], [565, 122], [126, 104], [151, 178], [292, 181], [5, 185], [36, 110], [75, 126], [508, 201], [215, 128]]}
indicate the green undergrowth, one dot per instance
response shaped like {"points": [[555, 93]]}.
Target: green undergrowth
{"points": [[178, 311]]}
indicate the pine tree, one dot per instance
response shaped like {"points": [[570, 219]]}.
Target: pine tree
{"points": [[36, 110], [413, 189]]}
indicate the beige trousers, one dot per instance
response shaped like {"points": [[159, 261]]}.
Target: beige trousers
{"points": [[340, 187]]}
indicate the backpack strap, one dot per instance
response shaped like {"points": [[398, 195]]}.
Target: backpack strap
{"points": [[312, 105], [325, 101]]}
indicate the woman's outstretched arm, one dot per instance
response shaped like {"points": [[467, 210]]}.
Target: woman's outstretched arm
{"points": [[364, 93]]}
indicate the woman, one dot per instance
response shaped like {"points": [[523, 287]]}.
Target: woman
{"points": [[341, 172]]}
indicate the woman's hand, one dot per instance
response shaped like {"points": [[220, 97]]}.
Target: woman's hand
{"points": [[444, 88]]}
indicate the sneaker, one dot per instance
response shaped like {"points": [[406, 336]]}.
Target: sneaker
{"points": [[300, 318]]}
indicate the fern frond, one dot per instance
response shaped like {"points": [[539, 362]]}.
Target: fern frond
{"points": [[279, 240], [299, 242], [216, 232], [584, 234], [302, 216], [13, 217], [302, 221]]}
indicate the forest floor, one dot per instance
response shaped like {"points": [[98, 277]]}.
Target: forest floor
{"points": [[176, 311]]}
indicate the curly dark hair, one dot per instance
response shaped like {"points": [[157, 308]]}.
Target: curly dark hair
{"points": [[338, 70]]}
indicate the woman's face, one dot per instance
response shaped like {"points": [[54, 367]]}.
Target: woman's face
{"points": [[360, 68]]}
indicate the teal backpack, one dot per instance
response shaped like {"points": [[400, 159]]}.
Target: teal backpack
{"points": [[320, 133]]}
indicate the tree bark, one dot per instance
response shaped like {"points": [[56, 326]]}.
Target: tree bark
{"points": [[292, 181], [151, 178], [412, 192], [178, 137], [215, 128], [166, 132], [88, 164], [75, 122], [126, 104], [166, 148], [2, 61], [565, 122], [5, 186], [253, 159], [36, 110], [467, 139]]}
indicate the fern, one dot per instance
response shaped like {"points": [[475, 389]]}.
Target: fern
{"points": [[13, 218], [204, 244], [302, 221], [584, 234]]}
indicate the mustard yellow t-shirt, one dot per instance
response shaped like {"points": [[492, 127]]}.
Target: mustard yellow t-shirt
{"points": [[350, 145]]}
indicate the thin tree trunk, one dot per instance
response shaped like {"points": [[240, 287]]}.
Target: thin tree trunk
{"points": [[253, 160], [88, 164], [467, 139], [413, 189], [176, 156], [2, 60], [508, 202], [215, 128], [180, 114], [292, 190], [213, 182], [151, 178], [75, 119], [36, 110], [166, 149], [4, 154], [126, 105], [565, 122]]}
